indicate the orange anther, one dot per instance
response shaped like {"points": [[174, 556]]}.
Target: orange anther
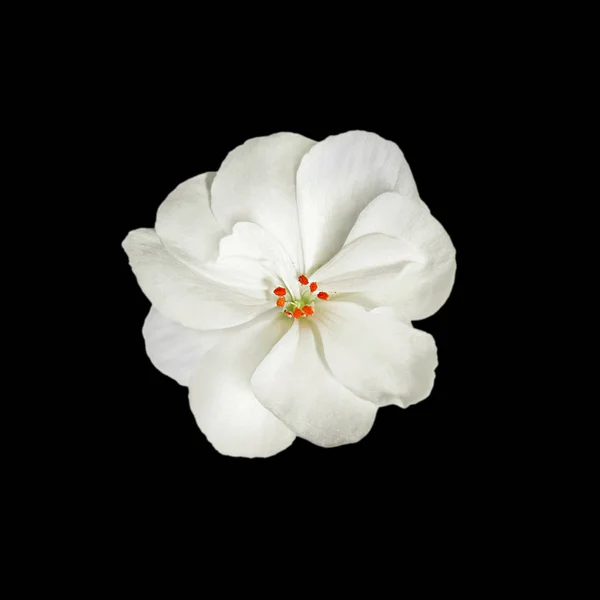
{"points": [[288, 313], [303, 279], [313, 286], [297, 313], [279, 291], [309, 310], [280, 301], [323, 295]]}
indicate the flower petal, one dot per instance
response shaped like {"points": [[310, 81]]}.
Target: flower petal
{"points": [[367, 264], [336, 179], [221, 397], [251, 242], [375, 354], [188, 296], [256, 183], [414, 241], [176, 350], [296, 385], [185, 222]]}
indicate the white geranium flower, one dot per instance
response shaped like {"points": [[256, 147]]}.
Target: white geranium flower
{"points": [[283, 289]]}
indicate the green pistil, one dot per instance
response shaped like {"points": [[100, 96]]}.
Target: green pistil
{"points": [[306, 299]]}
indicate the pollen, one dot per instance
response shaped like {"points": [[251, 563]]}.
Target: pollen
{"points": [[303, 305]]}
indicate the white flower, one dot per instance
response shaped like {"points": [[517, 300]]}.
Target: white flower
{"points": [[267, 357]]}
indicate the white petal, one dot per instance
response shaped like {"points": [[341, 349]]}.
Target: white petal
{"points": [[251, 242], [417, 243], [336, 179], [367, 264], [256, 183], [376, 355], [221, 397], [295, 383], [185, 222], [176, 350], [188, 296]]}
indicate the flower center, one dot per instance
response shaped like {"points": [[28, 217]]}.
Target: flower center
{"points": [[294, 308]]}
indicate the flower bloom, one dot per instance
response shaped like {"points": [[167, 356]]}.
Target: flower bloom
{"points": [[283, 289]]}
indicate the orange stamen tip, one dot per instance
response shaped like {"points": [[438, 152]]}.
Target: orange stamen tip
{"points": [[280, 301], [279, 291], [288, 313], [313, 286], [303, 279], [309, 310], [323, 295], [297, 313]]}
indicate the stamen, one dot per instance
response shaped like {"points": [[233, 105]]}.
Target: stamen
{"points": [[300, 307]]}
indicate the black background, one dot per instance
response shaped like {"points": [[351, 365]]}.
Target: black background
{"points": [[161, 138]]}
